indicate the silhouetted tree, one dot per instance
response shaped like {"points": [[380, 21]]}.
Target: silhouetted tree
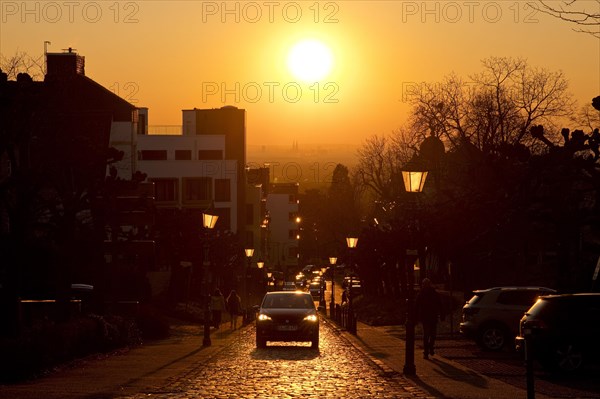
{"points": [[583, 14], [494, 109]]}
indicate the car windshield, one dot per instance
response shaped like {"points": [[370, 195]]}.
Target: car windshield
{"points": [[286, 301]]}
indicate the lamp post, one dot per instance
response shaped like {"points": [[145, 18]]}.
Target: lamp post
{"points": [[208, 222], [332, 262], [413, 183], [269, 276], [249, 252], [351, 242], [260, 283], [322, 291]]}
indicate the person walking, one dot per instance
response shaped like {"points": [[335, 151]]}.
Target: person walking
{"points": [[428, 310], [217, 304], [234, 306]]}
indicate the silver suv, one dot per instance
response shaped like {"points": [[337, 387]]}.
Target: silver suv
{"points": [[492, 316]]}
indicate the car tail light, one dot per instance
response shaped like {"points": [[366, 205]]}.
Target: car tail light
{"points": [[535, 324]]}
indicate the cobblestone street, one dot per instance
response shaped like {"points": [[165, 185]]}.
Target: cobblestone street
{"points": [[287, 370]]}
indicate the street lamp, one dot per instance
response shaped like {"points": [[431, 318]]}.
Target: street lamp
{"points": [[332, 262], [260, 264], [414, 180], [323, 286], [351, 242], [208, 222], [249, 252], [269, 282]]}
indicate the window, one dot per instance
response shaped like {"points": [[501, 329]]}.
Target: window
{"points": [[222, 190], [197, 189], [153, 155], [183, 155], [208, 155], [165, 190], [518, 297]]}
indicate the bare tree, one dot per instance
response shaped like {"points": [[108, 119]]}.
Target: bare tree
{"points": [[584, 14], [377, 164], [22, 62], [495, 109], [587, 118], [438, 109]]}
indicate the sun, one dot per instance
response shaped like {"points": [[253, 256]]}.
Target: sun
{"points": [[310, 60]]}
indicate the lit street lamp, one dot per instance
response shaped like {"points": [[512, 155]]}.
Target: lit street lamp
{"points": [[332, 261], [249, 252], [351, 242], [413, 183], [260, 281], [208, 222], [269, 282]]}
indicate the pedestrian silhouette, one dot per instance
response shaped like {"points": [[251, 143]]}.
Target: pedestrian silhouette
{"points": [[217, 304], [428, 310], [234, 307]]}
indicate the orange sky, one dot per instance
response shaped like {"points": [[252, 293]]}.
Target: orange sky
{"points": [[174, 55]]}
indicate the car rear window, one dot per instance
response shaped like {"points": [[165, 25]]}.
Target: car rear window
{"points": [[284, 301], [518, 297], [541, 307], [475, 298]]}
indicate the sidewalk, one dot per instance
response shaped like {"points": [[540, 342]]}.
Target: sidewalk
{"points": [[441, 377], [148, 368]]}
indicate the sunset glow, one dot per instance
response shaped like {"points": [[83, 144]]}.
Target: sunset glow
{"points": [[350, 64]]}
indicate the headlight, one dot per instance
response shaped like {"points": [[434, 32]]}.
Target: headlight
{"points": [[311, 317], [263, 317]]}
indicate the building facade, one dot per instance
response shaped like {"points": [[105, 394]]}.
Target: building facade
{"points": [[282, 208]]}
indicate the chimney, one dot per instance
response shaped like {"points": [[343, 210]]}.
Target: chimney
{"points": [[65, 64]]}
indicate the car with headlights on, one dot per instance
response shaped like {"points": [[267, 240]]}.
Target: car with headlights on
{"points": [[287, 316]]}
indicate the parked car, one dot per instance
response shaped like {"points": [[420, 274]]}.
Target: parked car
{"points": [[314, 289], [287, 316], [563, 331], [491, 317], [346, 281], [355, 291]]}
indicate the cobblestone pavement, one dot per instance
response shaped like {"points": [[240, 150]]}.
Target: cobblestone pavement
{"points": [[287, 370]]}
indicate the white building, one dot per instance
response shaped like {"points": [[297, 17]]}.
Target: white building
{"points": [[203, 168], [282, 207]]}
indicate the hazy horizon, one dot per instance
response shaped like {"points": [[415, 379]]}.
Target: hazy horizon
{"points": [[170, 56]]}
